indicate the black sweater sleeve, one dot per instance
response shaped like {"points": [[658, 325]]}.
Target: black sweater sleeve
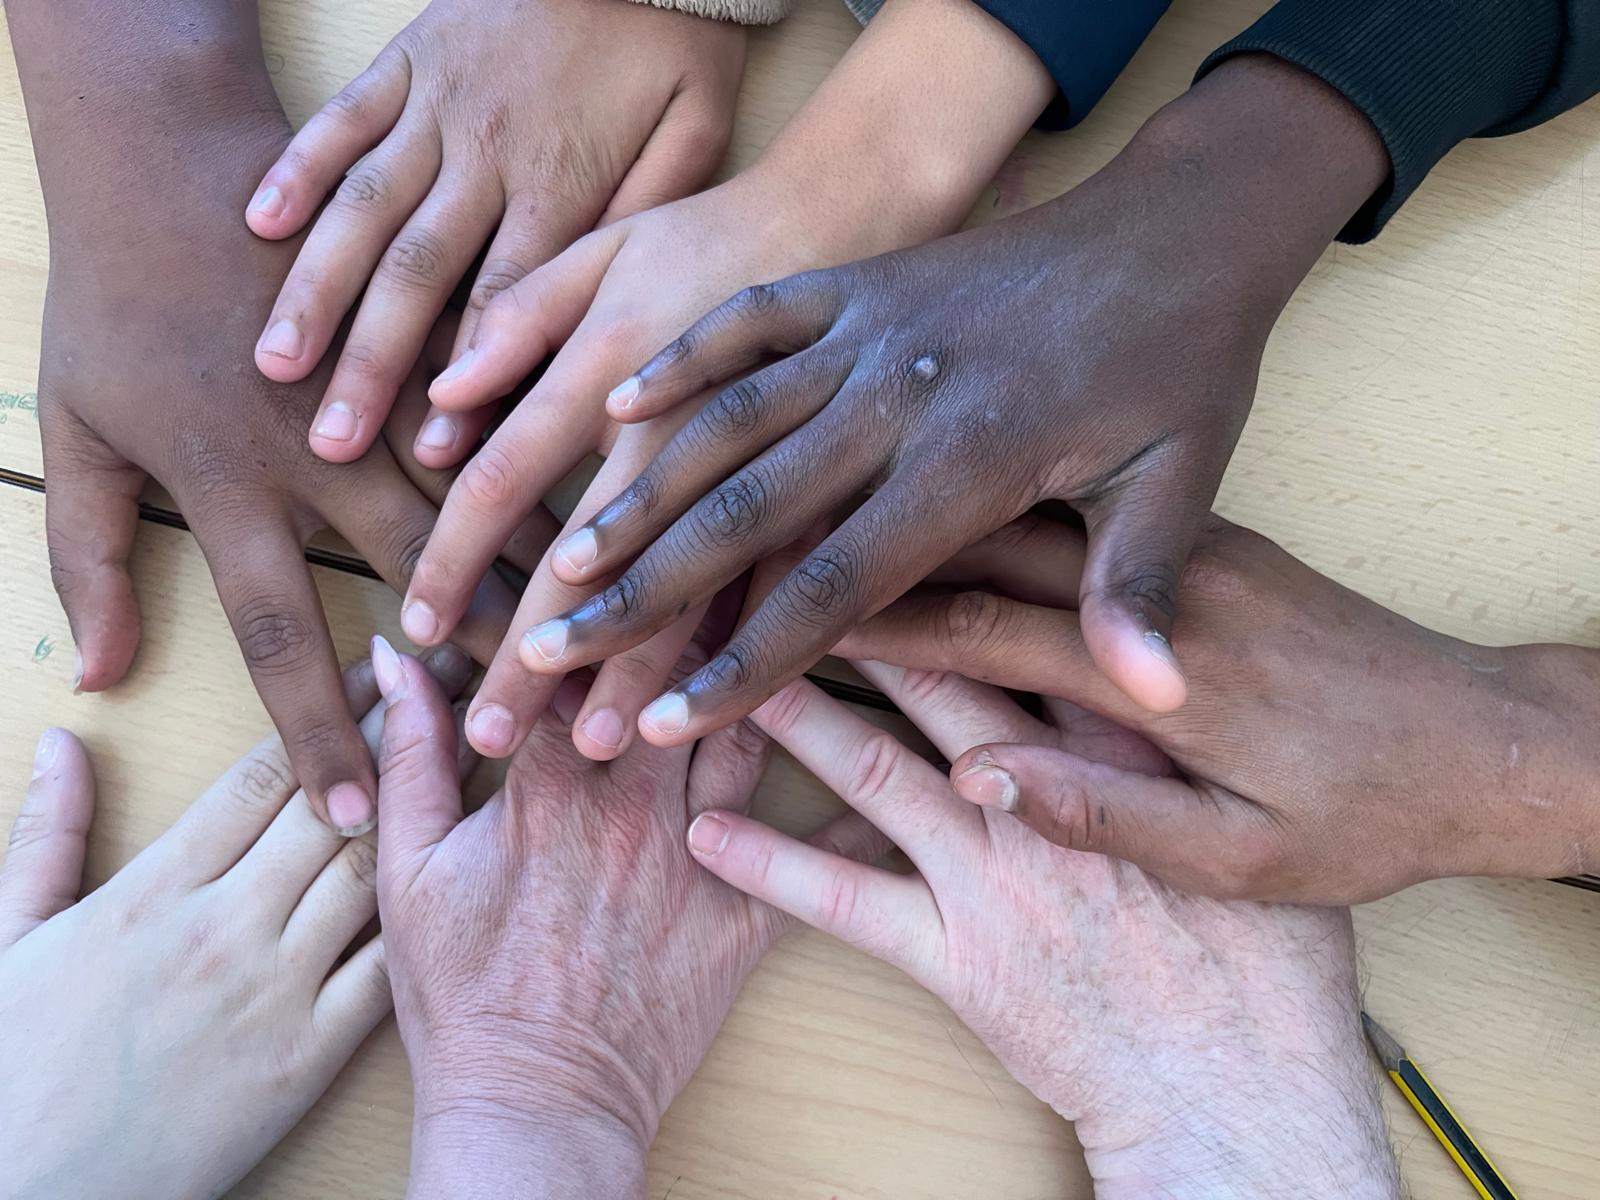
{"points": [[1429, 73], [1084, 44]]}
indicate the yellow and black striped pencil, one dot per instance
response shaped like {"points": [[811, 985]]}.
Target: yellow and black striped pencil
{"points": [[1436, 1114]]}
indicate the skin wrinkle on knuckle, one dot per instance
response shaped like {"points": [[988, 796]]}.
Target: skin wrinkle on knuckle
{"points": [[489, 480], [273, 637], [1073, 819], [263, 779], [367, 190], [974, 620], [496, 278], [31, 827], [415, 260], [821, 588], [877, 761], [734, 511], [736, 411]]}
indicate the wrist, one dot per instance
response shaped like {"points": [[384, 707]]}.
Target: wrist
{"points": [[486, 1150]]}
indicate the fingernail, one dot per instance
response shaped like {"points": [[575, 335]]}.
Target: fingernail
{"points": [[549, 640], [491, 729], [44, 755], [438, 434], [580, 550], [386, 666], [77, 672], [604, 728], [458, 368], [337, 423], [268, 203], [448, 665], [667, 714], [988, 787], [350, 809], [283, 340], [625, 393], [1156, 642], [420, 622], [708, 835]]}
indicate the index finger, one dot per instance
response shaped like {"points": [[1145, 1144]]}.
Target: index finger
{"points": [[267, 591]]}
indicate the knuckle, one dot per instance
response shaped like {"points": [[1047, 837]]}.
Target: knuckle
{"points": [[357, 864], [273, 638], [498, 276], [264, 779], [731, 670], [878, 760], [974, 619], [735, 509], [407, 551], [823, 585], [415, 259], [348, 107], [782, 712], [839, 905], [31, 826], [1075, 820], [639, 499], [490, 479], [365, 363], [622, 599], [1153, 585], [757, 300], [737, 409], [366, 190]]}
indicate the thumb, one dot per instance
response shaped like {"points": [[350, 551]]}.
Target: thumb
{"points": [[91, 516], [1195, 837], [419, 792], [1138, 545], [43, 867]]}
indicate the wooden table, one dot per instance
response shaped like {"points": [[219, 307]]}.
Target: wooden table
{"points": [[1427, 431]]}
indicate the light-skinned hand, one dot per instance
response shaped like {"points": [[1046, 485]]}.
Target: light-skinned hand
{"points": [[165, 1032], [1166, 1027]]}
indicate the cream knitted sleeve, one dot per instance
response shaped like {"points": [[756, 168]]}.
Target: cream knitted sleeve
{"points": [[745, 12]]}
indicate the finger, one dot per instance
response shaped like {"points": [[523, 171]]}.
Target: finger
{"points": [[627, 682], [954, 712], [444, 438], [867, 767], [338, 256], [733, 428], [990, 638], [536, 228], [91, 518], [388, 522], [726, 768], [765, 320], [342, 898], [276, 870], [43, 867], [404, 298], [335, 137], [1033, 559], [757, 510], [272, 603], [862, 566], [351, 1003], [891, 917], [522, 326], [681, 153], [420, 794], [1139, 541], [1198, 839], [1100, 739]]}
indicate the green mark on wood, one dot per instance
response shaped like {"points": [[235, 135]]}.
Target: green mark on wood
{"points": [[43, 650], [26, 403]]}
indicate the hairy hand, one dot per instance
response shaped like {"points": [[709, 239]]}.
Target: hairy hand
{"points": [[1161, 1024], [520, 125]]}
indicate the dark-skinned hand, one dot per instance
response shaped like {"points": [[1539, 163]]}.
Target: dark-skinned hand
{"points": [[1101, 349], [1331, 751], [517, 124], [156, 292]]}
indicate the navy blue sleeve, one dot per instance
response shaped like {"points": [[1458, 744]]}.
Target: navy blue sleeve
{"points": [[1430, 73], [1084, 44]]}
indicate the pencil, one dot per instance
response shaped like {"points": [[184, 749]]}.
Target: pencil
{"points": [[1436, 1114]]}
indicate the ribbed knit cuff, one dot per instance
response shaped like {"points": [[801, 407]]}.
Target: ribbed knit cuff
{"points": [[1084, 44], [1427, 73], [745, 12]]}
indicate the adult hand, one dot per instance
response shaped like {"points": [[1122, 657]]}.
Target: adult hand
{"points": [[1330, 751], [1101, 350], [155, 293], [1163, 1025], [560, 965], [525, 123], [169, 1029], [866, 166]]}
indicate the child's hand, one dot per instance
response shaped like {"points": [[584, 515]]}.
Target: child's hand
{"points": [[163, 1034], [526, 123]]}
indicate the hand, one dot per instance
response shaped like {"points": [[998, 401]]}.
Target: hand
{"points": [[1166, 1027], [155, 293], [525, 122], [1331, 751], [560, 965], [968, 380], [867, 165], [169, 1029]]}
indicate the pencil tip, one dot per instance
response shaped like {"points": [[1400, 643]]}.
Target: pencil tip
{"points": [[1389, 1052]]}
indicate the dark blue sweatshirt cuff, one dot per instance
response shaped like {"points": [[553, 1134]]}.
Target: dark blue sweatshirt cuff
{"points": [[1427, 73], [1084, 44]]}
